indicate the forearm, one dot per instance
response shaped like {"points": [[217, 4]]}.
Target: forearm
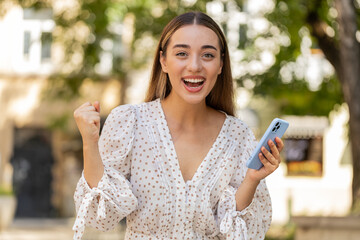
{"points": [[93, 166], [245, 193]]}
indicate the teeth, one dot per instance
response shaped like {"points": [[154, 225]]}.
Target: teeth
{"points": [[194, 80]]}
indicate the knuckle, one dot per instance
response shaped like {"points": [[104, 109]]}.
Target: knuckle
{"points": [[76, 114]]}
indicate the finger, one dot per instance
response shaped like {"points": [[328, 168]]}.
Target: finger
{"points": [[92, 119], [263, 160], [85, 105], [97, 106], [82, 113], [274, 150], [90, 108], [90, 115], [279, 144], [86, 117], [269, 156], [79, 109], [267, 164]]}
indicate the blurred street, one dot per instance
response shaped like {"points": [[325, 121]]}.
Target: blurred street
{"points": [[54, 229]]}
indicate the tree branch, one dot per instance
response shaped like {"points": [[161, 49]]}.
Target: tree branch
{"points": [[327, 44]]}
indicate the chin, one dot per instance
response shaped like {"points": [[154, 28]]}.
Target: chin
{"points": [[195, 99]]}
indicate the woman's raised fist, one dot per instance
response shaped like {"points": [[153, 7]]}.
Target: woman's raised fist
{"points": [[87, 118]]}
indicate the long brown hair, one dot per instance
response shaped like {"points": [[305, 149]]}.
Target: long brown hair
{"points": [[221, 96]]}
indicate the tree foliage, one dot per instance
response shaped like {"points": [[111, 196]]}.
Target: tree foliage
{"points": [[83, 29], [333, 27], [294, 19], [83, 26]]}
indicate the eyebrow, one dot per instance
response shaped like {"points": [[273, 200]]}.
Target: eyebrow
{"points": [[188, 46]]}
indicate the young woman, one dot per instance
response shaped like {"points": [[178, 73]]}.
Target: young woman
{"points": [[175, 165]]}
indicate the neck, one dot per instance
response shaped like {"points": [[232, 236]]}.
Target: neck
{"points": [[183, 113]]}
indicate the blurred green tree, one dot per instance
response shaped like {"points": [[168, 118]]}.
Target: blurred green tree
{"points": [[88, 28], [333, 27]]}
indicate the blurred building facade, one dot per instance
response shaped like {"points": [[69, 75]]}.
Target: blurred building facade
{"points": [[314, 179], [41, 163]]}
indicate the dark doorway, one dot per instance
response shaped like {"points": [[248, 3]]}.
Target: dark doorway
{"points": [[32, 162]]}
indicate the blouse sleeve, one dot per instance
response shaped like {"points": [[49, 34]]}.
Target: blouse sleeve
{"points": [[103, 206], [253, 221]]}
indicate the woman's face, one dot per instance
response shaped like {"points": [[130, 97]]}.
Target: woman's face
{"points": [[193, 62]]}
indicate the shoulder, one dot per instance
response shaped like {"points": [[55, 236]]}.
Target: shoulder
{"points": [[122, 109], [242, 137], [120, 113], [138, 111], [238, 130]]}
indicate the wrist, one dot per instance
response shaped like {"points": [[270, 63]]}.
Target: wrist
{"points": [[250, 180], [90, 144], [246, 191]]}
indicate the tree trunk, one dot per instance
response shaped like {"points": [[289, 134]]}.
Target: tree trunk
{"points": [[349, 54]]}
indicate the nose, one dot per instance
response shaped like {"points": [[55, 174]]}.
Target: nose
{"points": [[194, 64]]}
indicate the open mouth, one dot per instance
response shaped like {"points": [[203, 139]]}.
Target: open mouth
{"points": [[194, 83]]}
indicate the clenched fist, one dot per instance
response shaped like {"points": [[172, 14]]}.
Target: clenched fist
{"points": [[87, 118]]}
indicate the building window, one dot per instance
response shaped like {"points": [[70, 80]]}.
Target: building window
{"points": [[304, 145], [34, 34], [37, 14], [46, 39], [27, 43], [304, 156]]}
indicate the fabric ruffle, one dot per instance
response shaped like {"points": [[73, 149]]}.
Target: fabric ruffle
{"points": [[113, 194], [98, 200], [233, 224]]}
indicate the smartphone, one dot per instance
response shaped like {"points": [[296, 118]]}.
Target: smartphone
{"points": [[276, 128]]}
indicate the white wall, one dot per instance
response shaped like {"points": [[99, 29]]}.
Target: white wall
{"points": [[329, 195]]}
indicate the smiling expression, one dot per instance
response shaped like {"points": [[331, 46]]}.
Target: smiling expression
{"points": [[193, 62]]}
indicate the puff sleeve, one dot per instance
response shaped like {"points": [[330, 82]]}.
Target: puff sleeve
{"points": [[102, 207], [253, 221]]}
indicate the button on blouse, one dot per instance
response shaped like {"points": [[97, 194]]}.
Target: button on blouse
{"points": [[142, 181]]}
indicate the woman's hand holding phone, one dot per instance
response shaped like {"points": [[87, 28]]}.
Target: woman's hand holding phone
{"points": [[265, 159], [270, 159]]}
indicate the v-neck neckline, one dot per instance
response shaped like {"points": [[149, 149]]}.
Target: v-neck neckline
{"points": [[204, 161]]}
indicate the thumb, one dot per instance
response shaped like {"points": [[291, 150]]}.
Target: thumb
{"points": [[96, 104]]}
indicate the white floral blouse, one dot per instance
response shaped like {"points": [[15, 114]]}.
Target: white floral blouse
{"points": [[143, 182]]}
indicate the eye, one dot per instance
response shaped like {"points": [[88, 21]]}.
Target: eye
{"points": [[181, 54], [209, 55]]}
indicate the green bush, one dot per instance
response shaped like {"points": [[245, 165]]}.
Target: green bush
{"points": [[286, 232], [5, 191]]}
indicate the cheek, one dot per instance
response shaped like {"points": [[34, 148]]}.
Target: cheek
{"points": [[214, 69], [174, 72], [176, 67], [213, 83]]}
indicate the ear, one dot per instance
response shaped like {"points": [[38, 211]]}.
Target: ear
{"points": [[163, 62]]}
